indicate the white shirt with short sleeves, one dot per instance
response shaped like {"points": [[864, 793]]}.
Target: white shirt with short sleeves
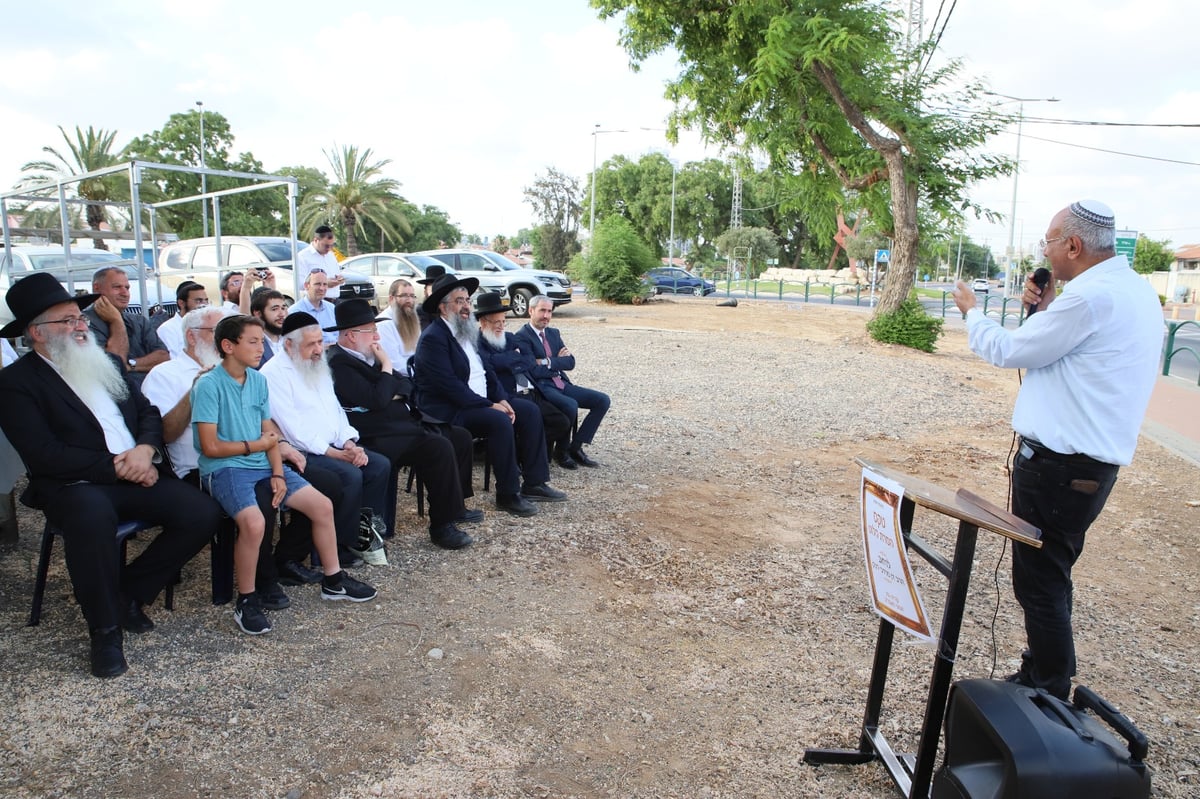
{"points": [[165, 385]]}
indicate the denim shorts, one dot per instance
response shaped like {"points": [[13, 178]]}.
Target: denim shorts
{"points": [[233, 486]]}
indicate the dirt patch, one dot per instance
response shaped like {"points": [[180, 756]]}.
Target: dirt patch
{"points": [[686, 625]]}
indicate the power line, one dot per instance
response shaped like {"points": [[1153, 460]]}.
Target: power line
{"points": [[1114, 152]]}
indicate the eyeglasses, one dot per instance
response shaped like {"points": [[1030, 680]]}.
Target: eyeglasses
{"points": [[405, 296], [69, 321], [457, 301], [1042, 244], [370, 331]]}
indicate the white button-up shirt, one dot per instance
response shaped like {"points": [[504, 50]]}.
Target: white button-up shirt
{"points": [[310, 418], [165, 385]]}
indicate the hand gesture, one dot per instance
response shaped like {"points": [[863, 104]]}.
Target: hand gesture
{"points": [[107, 311]]}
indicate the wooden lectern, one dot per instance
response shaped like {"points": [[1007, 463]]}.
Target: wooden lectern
{"points": [[913, 774]]}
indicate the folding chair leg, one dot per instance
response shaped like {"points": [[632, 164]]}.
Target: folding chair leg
{"points": [[221, 547], [39, 583]]}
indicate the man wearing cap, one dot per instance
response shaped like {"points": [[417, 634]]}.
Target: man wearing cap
{"points": [[552, 362], [502, 352], [92, 445], [377, 401], [130, 337], [313, 303], [189, 295], [307, 411], [320, 255], [1091, 354], [456, 386], [399, 325], [432, 275]]}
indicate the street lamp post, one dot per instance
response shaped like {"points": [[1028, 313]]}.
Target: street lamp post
{"points": [[671, 241], [1012, 216], [595, 135], [203, 177]]}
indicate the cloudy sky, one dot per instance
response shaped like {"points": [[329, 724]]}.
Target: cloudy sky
{"points": [[470, 100]]}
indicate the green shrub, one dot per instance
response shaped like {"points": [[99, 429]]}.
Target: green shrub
{"points": [[618, 259], [908, 325]]}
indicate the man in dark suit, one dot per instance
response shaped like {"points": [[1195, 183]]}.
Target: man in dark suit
{"points": [[92, 445], [376, 400], [512, 364], [456, 386], [553, 361]]}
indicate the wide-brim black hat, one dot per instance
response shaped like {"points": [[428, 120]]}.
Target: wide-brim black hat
{"points": [[297, 320], [445, 285], [489, 302], [32, 295], [432, 274], [352, 313]]}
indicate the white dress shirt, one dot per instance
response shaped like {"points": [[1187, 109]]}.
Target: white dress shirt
{"points": [[170, 333], [165, 385], [309, 259], [310, 418], [393, 345], [1091, 358]]}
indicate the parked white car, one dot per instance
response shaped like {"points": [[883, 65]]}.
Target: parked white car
{"points": [[516, 284]]}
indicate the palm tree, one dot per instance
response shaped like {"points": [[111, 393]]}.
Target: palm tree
{"points": [[89, 150], [358, 192]]}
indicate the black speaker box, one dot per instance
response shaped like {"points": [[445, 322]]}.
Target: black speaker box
{"points": [[1006, 741]]}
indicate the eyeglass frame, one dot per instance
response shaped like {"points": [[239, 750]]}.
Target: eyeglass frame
{"points": [[72, 321], [1043, 242]]}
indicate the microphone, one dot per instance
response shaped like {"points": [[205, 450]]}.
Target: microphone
{"points": [[1041, 278]]}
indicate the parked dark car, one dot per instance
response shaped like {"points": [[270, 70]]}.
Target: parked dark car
{"points": [[673, 280]]}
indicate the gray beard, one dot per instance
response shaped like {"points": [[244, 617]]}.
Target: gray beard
{"points": [[316, 373], [465, 330], [207, 356], [497, 341], [86, 367]]}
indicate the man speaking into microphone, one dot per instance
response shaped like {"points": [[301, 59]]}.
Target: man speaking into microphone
{"points": [[1091, 354]]}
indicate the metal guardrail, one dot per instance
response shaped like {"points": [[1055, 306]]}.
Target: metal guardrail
{"points": [[1171, 351]]}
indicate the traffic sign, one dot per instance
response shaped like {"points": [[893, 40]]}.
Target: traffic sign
{"points": [[882, 256], [1127, 243]]}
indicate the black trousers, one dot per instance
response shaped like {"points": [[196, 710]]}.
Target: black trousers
{"points": [[1062, 495], [435, 459], [556, 423], [88, 514], [515, 449], [295, 534]]}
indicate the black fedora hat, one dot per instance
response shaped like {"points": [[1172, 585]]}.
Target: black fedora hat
{"points": [[489, 302], [352, 313], [297, 320], [445, 285], [432, 274], [34, 294]]}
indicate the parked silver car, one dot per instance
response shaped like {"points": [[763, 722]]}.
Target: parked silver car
{"points": [[515, 283]]}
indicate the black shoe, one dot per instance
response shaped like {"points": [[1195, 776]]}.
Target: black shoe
{"points": [[450, 537], [272, 597], [133, 618], [470, 517], [108, 653], [249, 615], [342, 586], [293, 573], [564, 460], [582, 458], [350, 560], [543, 493], [517, 505]]}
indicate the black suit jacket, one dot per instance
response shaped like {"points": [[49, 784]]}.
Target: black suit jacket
{"points": [[57, 436], [442, 371], [542, 376], [513, 361], [369, 396]]}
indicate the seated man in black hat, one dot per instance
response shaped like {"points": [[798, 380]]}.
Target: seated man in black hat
{"points": [[500, 350], [455, 385], [432, 275], [377, 401], [92, 445]]}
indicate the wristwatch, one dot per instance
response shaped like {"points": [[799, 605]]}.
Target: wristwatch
{"points": [[132, 362]]}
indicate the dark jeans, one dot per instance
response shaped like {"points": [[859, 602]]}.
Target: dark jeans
{"points": [[1062, 498], [570, 399]]}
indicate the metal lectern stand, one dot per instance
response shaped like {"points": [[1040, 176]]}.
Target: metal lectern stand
{"points": [[913, 775]]}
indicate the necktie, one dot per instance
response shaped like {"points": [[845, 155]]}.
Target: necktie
{"points": [[558, 381]]}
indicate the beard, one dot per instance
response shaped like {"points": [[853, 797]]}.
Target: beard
{"points": [[315, 373], [85, 367], [408, 325], [274, 330], [464, 329], [497, 341], [206, 355]]}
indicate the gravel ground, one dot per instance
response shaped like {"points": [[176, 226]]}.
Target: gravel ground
{"points": [[685, 626]]}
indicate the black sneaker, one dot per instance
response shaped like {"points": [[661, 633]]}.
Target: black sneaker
{"points": [[293, 573], [346, 587], [250, 617], [272, 597]]}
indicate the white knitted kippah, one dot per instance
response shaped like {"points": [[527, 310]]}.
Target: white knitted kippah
{"points": [[1094, 212]]}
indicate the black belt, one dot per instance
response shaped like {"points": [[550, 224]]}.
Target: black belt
{"points": [[1077, 458]]}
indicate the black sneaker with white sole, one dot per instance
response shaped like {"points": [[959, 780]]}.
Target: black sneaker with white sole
{"points": [[343, 586], [249, 615]]}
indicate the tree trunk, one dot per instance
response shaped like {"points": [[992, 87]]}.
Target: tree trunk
{"points": [[95, 216], [902, 263], [348, 220]]}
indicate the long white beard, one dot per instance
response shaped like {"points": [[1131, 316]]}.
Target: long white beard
{"points": [[496, 341], [465, 330], [315, 373], [206, 355], [85, 367]]}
